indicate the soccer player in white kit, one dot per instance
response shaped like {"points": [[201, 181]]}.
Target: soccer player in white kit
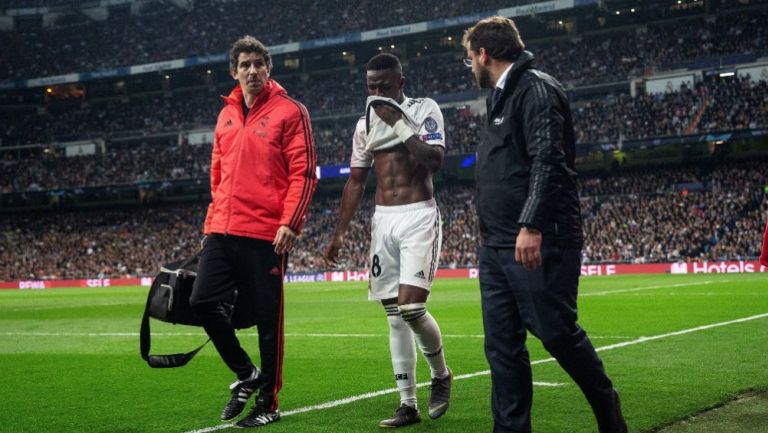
{"points": [[405, 144]]}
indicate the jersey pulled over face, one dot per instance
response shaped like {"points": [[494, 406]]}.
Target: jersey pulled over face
{"points": [[426, 114]]}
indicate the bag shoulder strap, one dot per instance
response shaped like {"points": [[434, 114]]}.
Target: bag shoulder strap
{"points": [[161, 361]]}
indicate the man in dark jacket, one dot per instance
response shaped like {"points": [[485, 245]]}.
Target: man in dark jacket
{"points": [[530, 224]]}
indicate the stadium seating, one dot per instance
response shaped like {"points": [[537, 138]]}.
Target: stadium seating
{"points": [[665, 214], [730, 105], [641, 216], [80, 45]]}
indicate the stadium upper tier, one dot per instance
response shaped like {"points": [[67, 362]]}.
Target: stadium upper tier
{"points": [[393, 13], [596, 47], [662, 214], [711, 106], [158, 30]]}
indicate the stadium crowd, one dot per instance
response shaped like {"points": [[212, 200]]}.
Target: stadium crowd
{"points": [[734, 104], [671, 227], [79, 44], [130, 164], [139, 115], [738, 103], [668, 214], [96, 243], [136, 164], [665, 214]]}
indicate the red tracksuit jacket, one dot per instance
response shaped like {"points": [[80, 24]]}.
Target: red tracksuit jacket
{"points": [[262, 167]]}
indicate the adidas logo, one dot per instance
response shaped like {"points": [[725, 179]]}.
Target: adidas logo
{"points": [[420, 274], [274, 271], [228, 123]]}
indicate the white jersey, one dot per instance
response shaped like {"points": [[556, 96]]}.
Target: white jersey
{"points": [[426, 114]]}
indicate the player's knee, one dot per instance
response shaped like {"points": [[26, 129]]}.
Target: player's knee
{"points": [[409, 294], [411, 313], [393, 314]]}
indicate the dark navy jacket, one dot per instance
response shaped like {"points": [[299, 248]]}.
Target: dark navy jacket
{"points": [[525, 162]]}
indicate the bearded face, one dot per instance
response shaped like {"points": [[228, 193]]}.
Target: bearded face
{"points": [[483, 77]]}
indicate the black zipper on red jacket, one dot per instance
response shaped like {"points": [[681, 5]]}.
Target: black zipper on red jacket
{"points": [[243, 108], [239, 149]]}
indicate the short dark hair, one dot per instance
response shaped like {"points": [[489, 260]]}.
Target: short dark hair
{"points": [[498, 35], [248, 44], [384, 61]]}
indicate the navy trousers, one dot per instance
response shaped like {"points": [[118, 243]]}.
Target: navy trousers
{"points": [[542, 301], [247, 270]]}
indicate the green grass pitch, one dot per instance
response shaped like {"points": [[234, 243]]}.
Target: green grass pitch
{"points": [[69, 358]]}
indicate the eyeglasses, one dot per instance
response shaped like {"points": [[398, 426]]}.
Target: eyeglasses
{"points": [[467, 62]]}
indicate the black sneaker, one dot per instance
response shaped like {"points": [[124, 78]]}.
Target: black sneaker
{"points": [[404, 415], [440, 396], [260, 415], [242, 390]]}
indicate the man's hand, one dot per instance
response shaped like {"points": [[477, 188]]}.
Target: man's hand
{"points": [[284, 240], [389, 115], [528, 248], [331, 256], [203, 241]]}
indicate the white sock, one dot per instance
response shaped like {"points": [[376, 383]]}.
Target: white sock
{"points": [[428, 337], [403, 351]]}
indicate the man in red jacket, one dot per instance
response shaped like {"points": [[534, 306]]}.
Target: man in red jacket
{"points": [[262, 181]]}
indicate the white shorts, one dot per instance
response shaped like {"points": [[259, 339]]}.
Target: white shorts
{"points": [[405, 248]]}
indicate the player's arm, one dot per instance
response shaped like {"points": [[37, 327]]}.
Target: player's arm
{"points": [[350, 201], [299, 154], [425, 154]]}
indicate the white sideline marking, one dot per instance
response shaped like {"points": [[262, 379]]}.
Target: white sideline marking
{"points": [[334, 403], [343, 401], [637, 289], [320, 335], [682, 332], [64, 307], [607, 337]]}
